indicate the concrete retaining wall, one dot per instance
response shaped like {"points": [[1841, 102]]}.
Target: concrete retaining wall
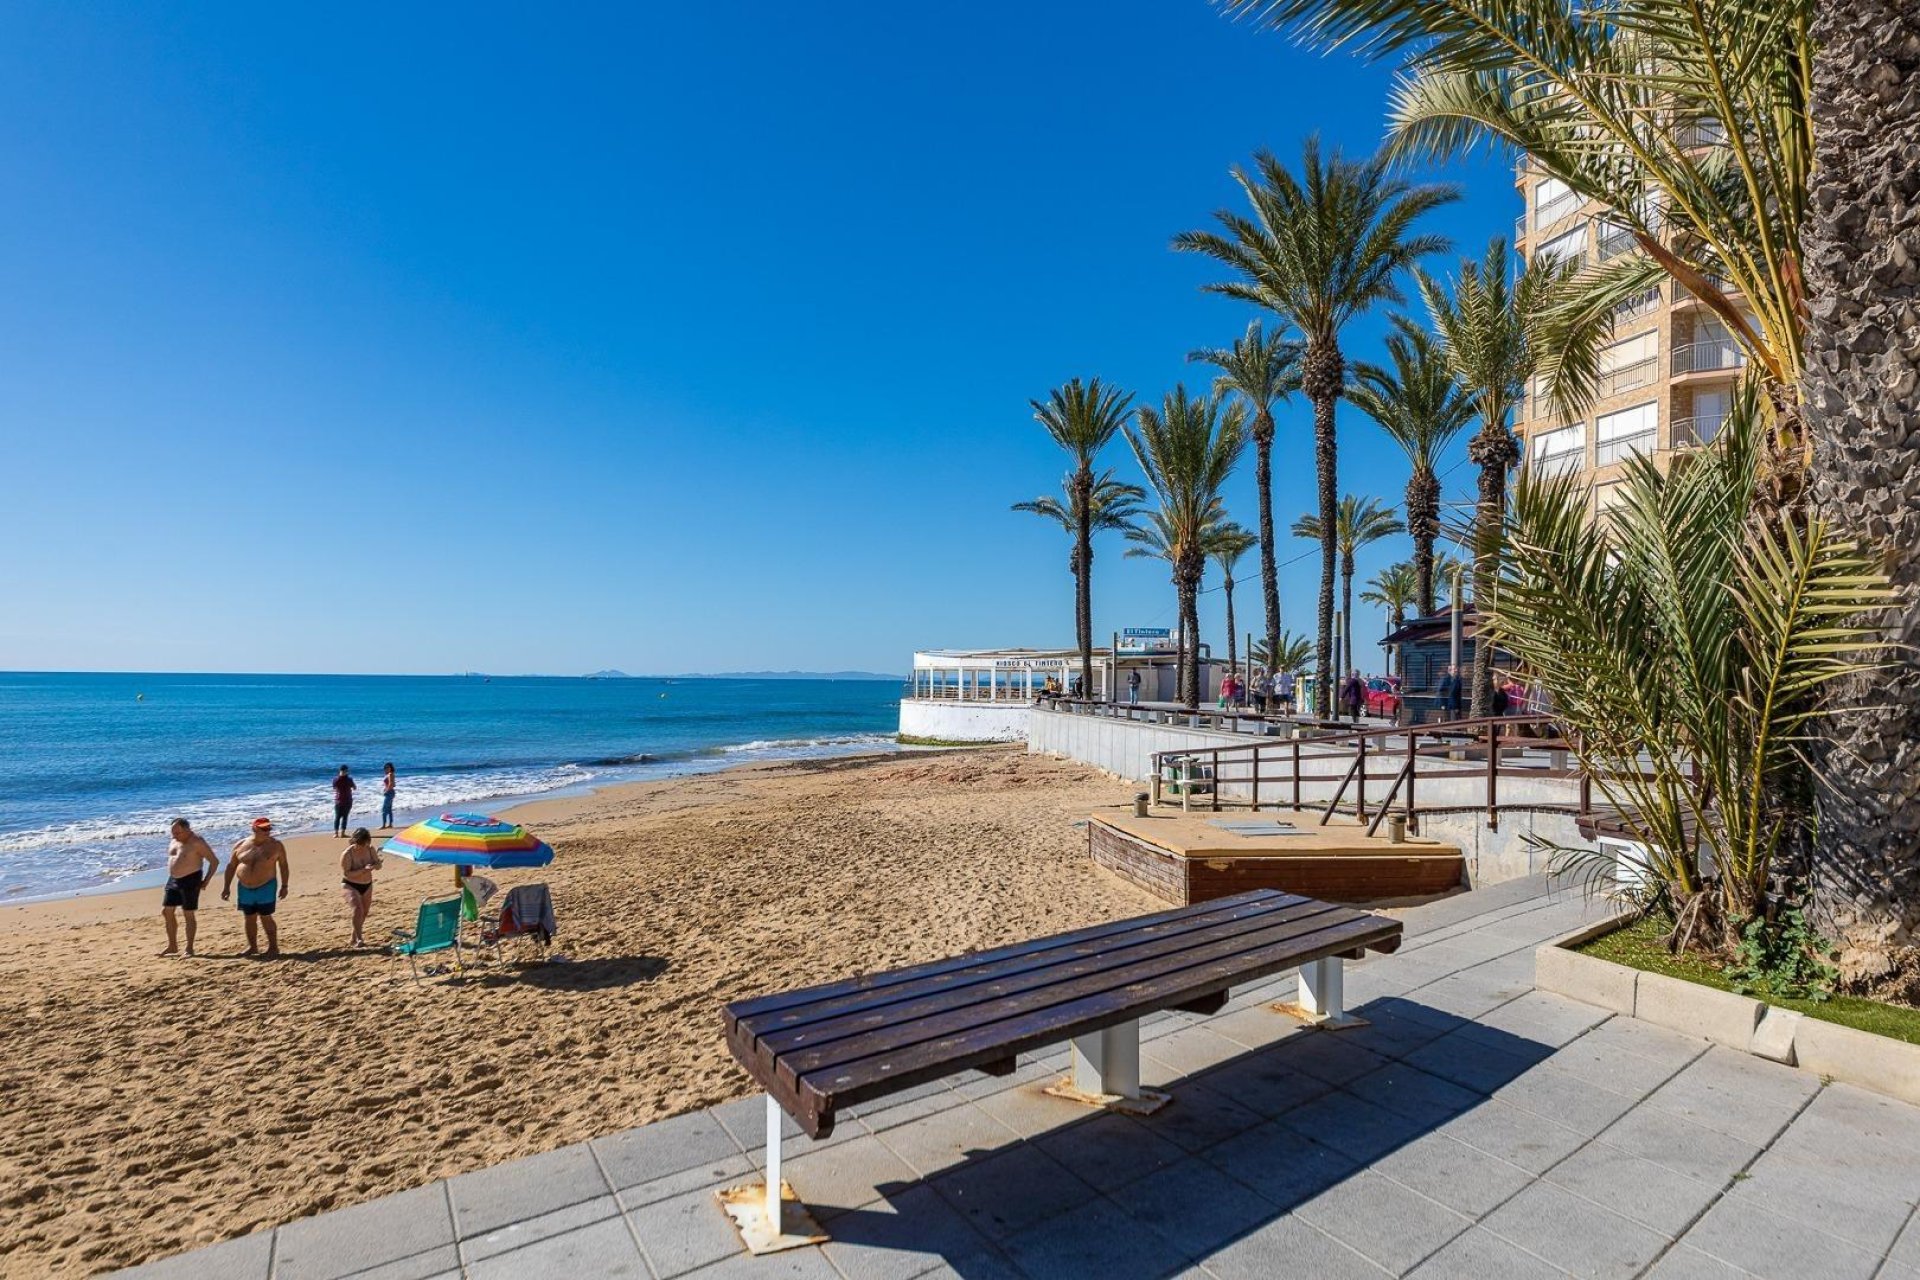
{"points": [[964, 721]]}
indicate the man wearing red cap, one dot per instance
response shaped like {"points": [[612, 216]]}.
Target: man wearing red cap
{"points": [[260, 861]]}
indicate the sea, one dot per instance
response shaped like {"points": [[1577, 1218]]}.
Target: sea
{"points": [[93, 767]]}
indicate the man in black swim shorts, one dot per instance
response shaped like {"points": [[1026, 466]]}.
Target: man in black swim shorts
{"points": [[185, 857]]}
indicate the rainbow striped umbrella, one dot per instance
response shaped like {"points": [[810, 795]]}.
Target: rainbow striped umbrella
{"points": [[472, 840]]}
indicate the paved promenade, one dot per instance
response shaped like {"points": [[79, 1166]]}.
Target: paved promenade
{"points": [[1477, 1128]]}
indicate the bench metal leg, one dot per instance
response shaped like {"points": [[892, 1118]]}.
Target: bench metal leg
{"points": [[1322, 1000], [767, 1215], [1106, 1071]]}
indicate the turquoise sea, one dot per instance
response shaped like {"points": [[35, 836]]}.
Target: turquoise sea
{"points": [[93, 767]]}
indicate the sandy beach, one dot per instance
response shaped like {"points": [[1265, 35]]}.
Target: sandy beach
{"points": [[144, 1094]]}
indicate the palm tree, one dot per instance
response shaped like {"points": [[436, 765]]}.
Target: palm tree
{"points": [[1318, 251], [1488, 330], [1261, 369], [1083, 418], [1187, 449], [1292, 654], [1416, 401], [1110, 506], [1226, 543], [1395, 589], [1357, 523]]}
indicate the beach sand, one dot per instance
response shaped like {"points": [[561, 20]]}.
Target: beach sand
{"points": [[154, 1105]]}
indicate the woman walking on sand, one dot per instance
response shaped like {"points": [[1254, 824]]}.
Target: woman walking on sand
{"points": [[386, 796], [357, 864]]}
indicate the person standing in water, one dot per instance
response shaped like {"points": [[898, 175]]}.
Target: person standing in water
{"points": [[386, 795], [342, 800], [260, 861], [358, 862], [186, 855]]}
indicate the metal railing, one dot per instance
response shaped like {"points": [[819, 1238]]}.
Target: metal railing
{"points": [[1612, 241], [1505, 747], [1627, 376], [1700, 133], [1697, 429], [1640, 304], [1565, 462], [1556, 209], [1618, 449], [1242, 720], [1712, 354]]}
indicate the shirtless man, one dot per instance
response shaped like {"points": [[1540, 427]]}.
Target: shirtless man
{"points": [[261, 863], [185, 856]]}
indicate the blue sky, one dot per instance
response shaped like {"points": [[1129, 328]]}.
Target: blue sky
{"points": [[666, 337]]}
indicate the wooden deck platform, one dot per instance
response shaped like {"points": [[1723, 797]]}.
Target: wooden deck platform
{"points": [[1191, 857]]}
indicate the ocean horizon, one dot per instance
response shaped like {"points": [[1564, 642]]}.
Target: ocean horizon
{"points": [[93, 766]]}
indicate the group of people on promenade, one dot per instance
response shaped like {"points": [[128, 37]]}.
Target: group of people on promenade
{"points": [[258, 869], [1268, 693]]}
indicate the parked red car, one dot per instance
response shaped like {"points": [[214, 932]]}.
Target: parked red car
{"points": [[1383, 697]]}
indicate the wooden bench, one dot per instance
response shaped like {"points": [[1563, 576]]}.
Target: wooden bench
{"points": [[817, 1050]]}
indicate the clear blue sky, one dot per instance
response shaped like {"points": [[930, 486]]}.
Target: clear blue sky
{"points": [[666, 337]]}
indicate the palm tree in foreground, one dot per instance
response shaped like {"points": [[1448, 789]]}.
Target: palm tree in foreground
{"points": [[1394, 589], [1083, 418], [1318, 251], [1358, 522], [1187, 448], [1226, 543], [1262, 369], [1415, 400], [1109, 505]]}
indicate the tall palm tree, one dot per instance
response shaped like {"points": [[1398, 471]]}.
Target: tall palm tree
{"points": [[1488, 329], [1395, 589], [1262, 369], [1226, 543], [1292, 654], [1187, 448], [1358, 522], [1083, 418], [1415, 400], [1109, 505], [1318, 251]]}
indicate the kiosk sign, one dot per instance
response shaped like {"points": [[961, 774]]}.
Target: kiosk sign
{"points": [[1146, 640]]}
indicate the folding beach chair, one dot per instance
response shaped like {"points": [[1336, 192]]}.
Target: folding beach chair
{"points": [[437, 928], [526, 912]]}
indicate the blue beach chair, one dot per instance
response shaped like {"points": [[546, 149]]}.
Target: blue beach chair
{"points": [[437, 928]]}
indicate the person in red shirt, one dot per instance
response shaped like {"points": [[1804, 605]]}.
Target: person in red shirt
{"points": [[342, 800]]}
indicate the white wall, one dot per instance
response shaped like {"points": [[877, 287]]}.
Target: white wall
{"points": [[964, 721]]}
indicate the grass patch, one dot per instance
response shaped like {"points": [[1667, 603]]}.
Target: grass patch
{"points": [[912, 740], [1639, 946]]}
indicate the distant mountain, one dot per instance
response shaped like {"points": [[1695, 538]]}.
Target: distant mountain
{"points": [[785, 675], [608, 674]]}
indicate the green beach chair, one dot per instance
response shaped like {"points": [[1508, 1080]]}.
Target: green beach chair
{"points": [[437, 928]]}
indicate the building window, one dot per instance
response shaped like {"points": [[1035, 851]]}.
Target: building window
{"points": [[1618, 436], [1629, 363], [1552, 201], [1567, 246], [1559, 452], [1704, 419]]}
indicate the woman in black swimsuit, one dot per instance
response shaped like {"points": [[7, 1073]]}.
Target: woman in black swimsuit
{"points": [[357, 865]]}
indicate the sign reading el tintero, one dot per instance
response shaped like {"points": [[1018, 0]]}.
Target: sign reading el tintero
{"points": [[1146, 640]]}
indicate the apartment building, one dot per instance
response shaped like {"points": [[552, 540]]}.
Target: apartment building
{"points": [[1667, 375]]}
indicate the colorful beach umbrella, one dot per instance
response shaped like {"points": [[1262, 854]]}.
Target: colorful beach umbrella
{"points": [[471, 840]]}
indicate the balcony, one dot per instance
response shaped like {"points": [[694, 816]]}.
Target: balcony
{"points": [[1620, 448], [1710, 356], [1640, 304], [1614, 241], [1613, 382], [1561, 206], [1564, 463], [1697, 429], [1700, 133]]}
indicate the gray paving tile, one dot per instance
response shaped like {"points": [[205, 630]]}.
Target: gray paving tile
{"points": [[1109, 1151], [1279, 1164], [1388, 1223], [1414, 1093], [1327, 1055], [1480, 1255], [942, 1141], [1195, 1207], [1193, 1050], [1605, 1058], [491, 1198], [904, 1235], [1565, 1099], [795, 1264], [684, 1232], [1573, 1234], [1011, 1191], [1255, 1027], [1683, 1262], [243, 1258], [1200, 1117], [364, 1236], [729, 1172], [1356, 1127], [604, 1249], [1266, 1082], [526, 1231], [1650, 1194], [1840, 1204], [1029, 1110], [1097, 1239], [1776, 1248], [1746, 1097], [1476, 1064], [1533, 1142], [666, 1147], [1462, 1178], [1289, 1247], [847, 1176], [1906, 1249], [440, 1263], [1706, 1154]]}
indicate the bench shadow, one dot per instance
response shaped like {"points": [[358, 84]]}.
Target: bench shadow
{"points": [[1261, 1134], [574, 975]]}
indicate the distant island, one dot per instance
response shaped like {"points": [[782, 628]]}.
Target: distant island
{"points": [[612, 674]]}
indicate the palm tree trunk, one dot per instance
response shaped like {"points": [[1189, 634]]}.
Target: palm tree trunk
{"points": [[1269, 571], [1232, 657], [1423, 523], [1323, 375], [1190, 657], [1493, 450], [1083, 579], [1860, 370]]}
